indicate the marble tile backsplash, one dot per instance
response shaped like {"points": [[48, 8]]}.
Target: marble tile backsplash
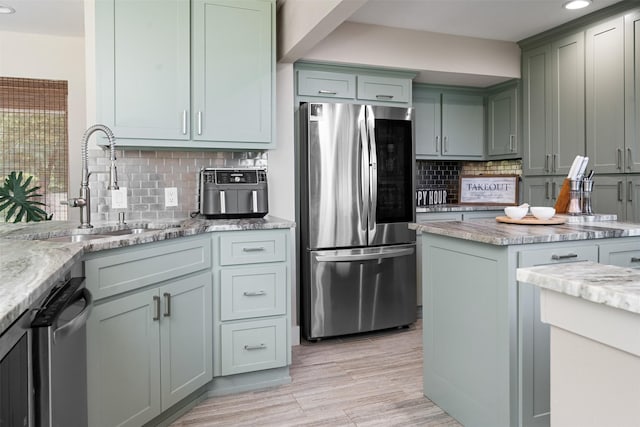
{"points": [[146, 174]]}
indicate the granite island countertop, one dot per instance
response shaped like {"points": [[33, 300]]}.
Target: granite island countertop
{"points": [[488, 230], [30, 266], [617, 287], [457, 208]]}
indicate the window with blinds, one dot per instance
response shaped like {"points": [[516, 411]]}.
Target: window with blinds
{"points": [[34, 137]]}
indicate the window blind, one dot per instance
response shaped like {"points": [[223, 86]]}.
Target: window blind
{"points": [[34, 136]]}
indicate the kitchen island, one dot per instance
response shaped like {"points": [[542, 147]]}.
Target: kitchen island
{"points": [[594, 315], [486, 353]]}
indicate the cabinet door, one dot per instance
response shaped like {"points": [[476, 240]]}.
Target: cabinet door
{"points": [[462, 125], [534, 335], [186, 336], [503, 130], [632, 83], [541, 191], [633, 199], [608, 195], [142, 65], [605, 96], [536, 111], [568, 102], [625, 253], [232, 71], [123, 361], [384, 89], [426, 105]]}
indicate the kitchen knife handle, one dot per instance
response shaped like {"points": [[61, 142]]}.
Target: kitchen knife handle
{"points": [[199, 122], [619, 160], [167, 304], [561, 257], [156, 307], [223, 202], [184, 122]]}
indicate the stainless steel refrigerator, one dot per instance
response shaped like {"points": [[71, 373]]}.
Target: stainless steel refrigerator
{"points": [[357, 166]]}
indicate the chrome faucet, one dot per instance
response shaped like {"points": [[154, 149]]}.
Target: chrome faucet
{"points": [[84, 201]]}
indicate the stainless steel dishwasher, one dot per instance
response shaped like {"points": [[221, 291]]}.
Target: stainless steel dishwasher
{"points": [[60, 356]]}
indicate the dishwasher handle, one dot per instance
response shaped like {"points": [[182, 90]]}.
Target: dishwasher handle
{"points": [[73, 325]]}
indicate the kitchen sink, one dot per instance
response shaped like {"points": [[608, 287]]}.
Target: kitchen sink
{"points": [[77, 237]]}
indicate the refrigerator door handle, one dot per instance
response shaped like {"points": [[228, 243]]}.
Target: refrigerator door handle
{"points": [[364, 168], [386, 253], [373, 173]]}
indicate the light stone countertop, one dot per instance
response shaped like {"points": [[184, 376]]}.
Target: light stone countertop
{"points": [[29, 266], [617, 287], [488, 230]]}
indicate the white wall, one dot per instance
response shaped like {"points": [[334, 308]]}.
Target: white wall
{"points": [[435, 55], [57, 58]]}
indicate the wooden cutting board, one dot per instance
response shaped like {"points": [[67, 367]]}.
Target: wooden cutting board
{"points": [[532, 220]]}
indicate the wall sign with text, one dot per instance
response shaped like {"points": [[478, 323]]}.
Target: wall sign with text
{"points": [[489, 189]]}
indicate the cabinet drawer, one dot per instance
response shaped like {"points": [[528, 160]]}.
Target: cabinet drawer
{"points": [[251, 247], [621, 254], [125, 269], [556, 255], [326, 84], [253, 346], [253, 292], [387, 89]]}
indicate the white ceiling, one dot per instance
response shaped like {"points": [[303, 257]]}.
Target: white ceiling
{"points": [[508, 20], [56, 17]]}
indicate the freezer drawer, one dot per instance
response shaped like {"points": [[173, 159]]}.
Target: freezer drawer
{"points": [[359, 290]]}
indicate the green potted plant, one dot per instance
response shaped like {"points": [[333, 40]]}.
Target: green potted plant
{"points": [[18, 200]]}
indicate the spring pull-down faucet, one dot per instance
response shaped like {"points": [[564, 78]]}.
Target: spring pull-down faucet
{"points": [[84, 201]]}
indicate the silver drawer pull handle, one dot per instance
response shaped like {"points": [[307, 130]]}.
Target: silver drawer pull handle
{"points": [[257, 249], [327, 92], [567, 256], [255, 347], [254, 293], [384, 96], [635, 259]]}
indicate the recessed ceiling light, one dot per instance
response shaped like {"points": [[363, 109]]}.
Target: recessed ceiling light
{"points": [[6, 10], [576, 4]]}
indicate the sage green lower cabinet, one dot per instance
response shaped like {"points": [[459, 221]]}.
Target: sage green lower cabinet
{"points": [[623, 254], [252, 301], [617, 194], [486, 354], [149, 346]]}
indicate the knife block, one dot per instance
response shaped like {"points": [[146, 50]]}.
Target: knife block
{"points": [[564, 196]]}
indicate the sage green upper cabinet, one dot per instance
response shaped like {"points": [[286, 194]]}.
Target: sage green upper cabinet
{"points": [[142, 54], [502, 139], [327, 84], [605, 96], [426, 105], [186, 74], [232, 69], [553, 106], [632, 83], [449, 124], [390, 89]]}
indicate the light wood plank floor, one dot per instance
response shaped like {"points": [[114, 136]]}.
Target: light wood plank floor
{"points": [[365, 380]]}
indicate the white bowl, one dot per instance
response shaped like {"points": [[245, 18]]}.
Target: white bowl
{"points": [[543, 212], [516, 212]]}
